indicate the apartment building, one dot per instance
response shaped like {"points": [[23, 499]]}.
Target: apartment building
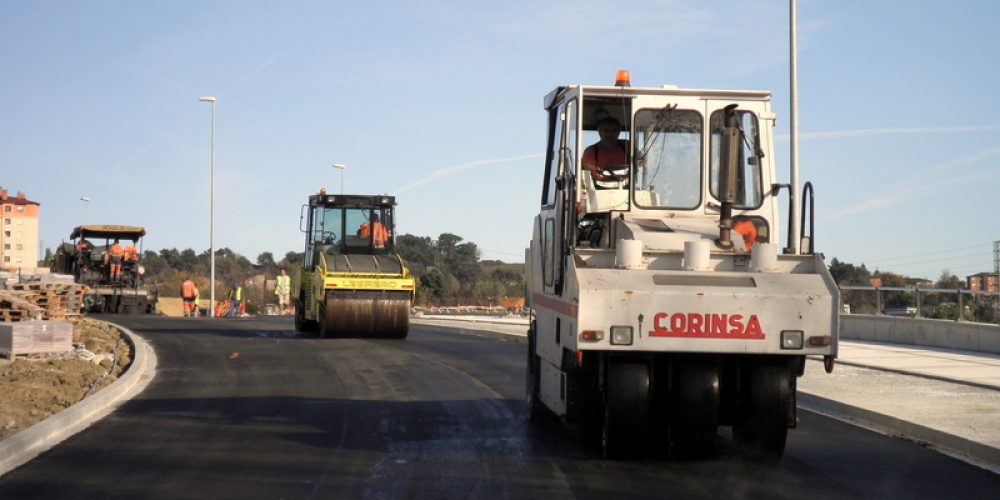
{"points": [[986, 282], [18, 231]]}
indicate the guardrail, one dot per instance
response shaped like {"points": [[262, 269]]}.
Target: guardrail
{"points": [[917, 309]]}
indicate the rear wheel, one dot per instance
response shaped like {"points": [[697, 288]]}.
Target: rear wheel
{"points": [[626, 410], [301, 323], [695, 409], [763, 428]]}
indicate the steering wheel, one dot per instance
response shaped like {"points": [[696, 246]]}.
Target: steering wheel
{"points": [[614, 174], [329, 237]]}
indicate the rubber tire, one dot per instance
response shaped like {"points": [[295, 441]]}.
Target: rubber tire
{"points": [[537, 411], [694, 419], [763, 429], [625, 429], [302, 324]]}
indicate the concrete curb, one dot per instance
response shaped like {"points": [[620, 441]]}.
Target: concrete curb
{"points": [[31, 442], [978, 454]]}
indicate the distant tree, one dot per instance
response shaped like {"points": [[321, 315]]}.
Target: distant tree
{"points": [[464, 264], [949, 281], [417, 251], [844, 273], [188, 261], [436, 287], [266, 259], [849, 274], [292, 259], [171, 256], [155, 265], [267, 265], [895, 299]]}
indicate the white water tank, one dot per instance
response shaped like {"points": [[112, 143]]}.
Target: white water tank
{"points": [[628, 255], [697, 255]]}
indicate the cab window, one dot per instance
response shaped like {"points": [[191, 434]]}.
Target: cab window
{"points": [[668, 156]]}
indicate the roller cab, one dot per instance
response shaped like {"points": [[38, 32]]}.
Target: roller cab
{"points": [[352, 283]]}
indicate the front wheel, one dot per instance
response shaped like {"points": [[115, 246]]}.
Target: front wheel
{"points": [[537, 412]]}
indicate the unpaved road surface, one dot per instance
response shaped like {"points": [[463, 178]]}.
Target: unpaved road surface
{"points": [[34, 387]]}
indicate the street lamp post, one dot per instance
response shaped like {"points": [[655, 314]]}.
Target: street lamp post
{"points": [[211, 282], [86, 209], [342, 168]]}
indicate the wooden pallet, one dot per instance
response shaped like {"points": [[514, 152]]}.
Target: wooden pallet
{"points": [[43, 300]]}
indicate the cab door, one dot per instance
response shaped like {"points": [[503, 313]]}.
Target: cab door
{"points": [[755, 170]]}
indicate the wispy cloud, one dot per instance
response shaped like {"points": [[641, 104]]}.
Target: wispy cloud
{"points": [[137, 153], [455, 169], [249, 76], [872, 132], [927, 183]]}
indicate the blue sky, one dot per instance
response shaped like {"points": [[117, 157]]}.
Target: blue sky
{"points": [[440, 104]]}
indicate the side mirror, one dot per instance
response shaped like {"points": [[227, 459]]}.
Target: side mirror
{"points": [[302, 218]]}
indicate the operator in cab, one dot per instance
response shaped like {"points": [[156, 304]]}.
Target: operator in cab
{"points": [[374, 230], [607, 153]]}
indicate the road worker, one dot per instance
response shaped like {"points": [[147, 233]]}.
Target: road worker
{"points": [[748, 231], [116, 253], [189, 293], [131, 254], [379, 235], [235, 300], [283, 289]]}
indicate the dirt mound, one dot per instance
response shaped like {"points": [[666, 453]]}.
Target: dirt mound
{"points": [[35, 387]]}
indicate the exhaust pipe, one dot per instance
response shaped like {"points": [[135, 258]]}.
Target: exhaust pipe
{"points": [[729, 157]]}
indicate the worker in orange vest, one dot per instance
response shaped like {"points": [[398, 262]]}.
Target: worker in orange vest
{"points": [[189, 293], [748, 231], [374, 230], [116, 253], [131, 254]]}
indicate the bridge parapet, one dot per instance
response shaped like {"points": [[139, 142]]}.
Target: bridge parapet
{"points": [[949, 334]]}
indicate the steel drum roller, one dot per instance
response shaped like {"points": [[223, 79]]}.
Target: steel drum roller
{"points": [[363, 313]]}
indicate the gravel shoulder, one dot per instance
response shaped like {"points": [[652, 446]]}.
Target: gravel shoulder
{"points": [[35, 387]]}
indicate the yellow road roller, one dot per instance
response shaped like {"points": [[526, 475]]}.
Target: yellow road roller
{"points": [[352, 283]]}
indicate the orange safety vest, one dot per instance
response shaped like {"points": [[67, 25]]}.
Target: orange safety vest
{"points": [[116, 250], [131, 253], [748, 231], [188, 290], [381, 235]]}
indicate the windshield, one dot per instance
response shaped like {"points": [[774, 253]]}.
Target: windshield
{"points": [[352, 230], [668, 158]]}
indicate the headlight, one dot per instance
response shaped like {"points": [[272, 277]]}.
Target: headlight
{"points": [[141, 270], [791, 339], [621, 335]]}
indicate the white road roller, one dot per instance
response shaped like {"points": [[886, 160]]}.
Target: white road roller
{"points": [[662, 305]]}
